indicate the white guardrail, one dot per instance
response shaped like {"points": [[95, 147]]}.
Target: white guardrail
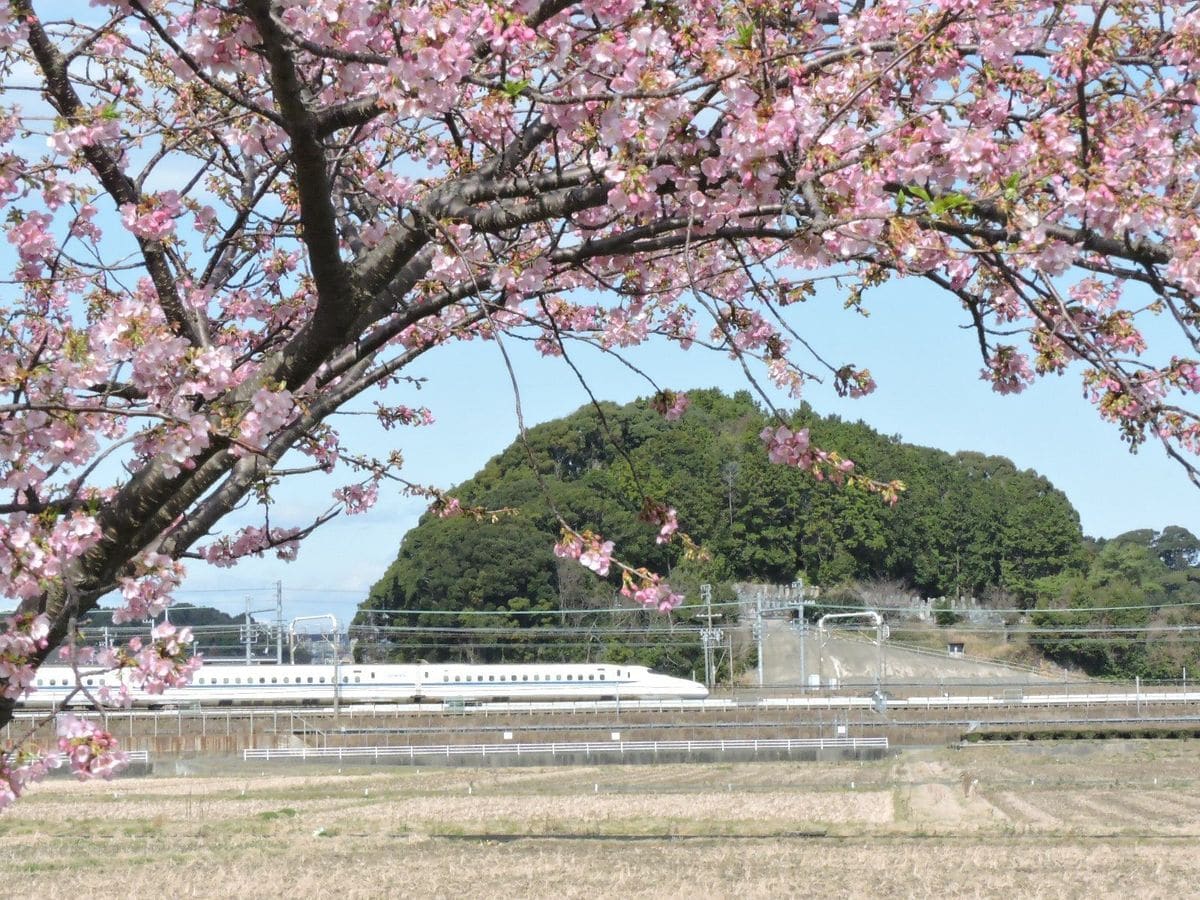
{"points": [[598, 748]]}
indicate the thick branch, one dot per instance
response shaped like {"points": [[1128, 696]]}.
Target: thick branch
{"points": [[335, 305]]}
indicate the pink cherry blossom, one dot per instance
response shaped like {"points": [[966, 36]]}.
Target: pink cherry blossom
{"points": [[90, 751], [153, 218]]}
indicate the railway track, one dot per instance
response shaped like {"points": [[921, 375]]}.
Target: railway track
{"points": [[907, 715], [878, 700]]}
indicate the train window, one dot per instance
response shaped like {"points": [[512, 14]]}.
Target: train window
{"points": [[274, 681], [321, 680], [262, 680], [491, 678], [457, 678], [372, 674], [570, 677], [224, 681], [357, 679], [285, 681], [426, 675], [345, 678], [445, 678], [501, 677], [524, 677], [89, 681], [310, 679], [591, 678]]}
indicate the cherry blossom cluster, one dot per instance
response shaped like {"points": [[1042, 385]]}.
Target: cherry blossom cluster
{"points": [[1008, 370], [252, 540], [357, 498], [591, 551], [88, 749], [795, 449], [671, 405], [165, 661], [20, 767], [153, 218], [146, 590], [23, 637], [649, 589], [390, 416], [663, 516]]}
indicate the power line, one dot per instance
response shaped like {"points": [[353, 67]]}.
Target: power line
{"points": [[612, 610], [531, 633], [1058, 610]]}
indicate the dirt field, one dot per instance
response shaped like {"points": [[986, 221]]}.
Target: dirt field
{"points": [[1073, 820]]}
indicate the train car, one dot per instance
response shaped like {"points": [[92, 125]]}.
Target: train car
{"points": [[221, 684]]}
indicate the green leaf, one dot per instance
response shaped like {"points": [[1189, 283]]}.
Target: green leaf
{"points": [[1010, 185], [513, 89], [948, 203]]}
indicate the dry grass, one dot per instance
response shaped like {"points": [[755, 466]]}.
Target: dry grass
{"points": [[987, 821]]}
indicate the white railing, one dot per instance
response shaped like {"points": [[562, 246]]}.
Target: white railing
{"points": [[598, 748]]}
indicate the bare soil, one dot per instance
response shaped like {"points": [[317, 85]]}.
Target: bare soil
{"points": [[1078, 820]]}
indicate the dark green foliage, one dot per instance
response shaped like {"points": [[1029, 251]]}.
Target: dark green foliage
{"points": [[967, 525], [944, 615], [1125, 616]]}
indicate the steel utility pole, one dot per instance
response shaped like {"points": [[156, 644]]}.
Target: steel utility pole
{"points": [[758, 633], [279, 623], [797, 587], [710, 638], [248, 632]]}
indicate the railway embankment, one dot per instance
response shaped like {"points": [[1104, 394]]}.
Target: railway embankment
{"points": [[905, 715]]}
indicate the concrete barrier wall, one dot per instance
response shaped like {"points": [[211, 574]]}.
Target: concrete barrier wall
{"points": [[582, 758]]}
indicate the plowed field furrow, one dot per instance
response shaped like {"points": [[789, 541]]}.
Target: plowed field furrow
{"points": [[1020, 811], [1164, 809], [1104, 812]]}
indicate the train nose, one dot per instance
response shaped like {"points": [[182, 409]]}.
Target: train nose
{"points": [[689, 690]]}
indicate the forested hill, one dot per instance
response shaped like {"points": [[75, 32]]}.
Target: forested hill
{"points": [[968, 524]]}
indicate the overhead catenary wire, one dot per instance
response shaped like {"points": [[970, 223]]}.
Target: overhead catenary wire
{"points": [[621, 608]]}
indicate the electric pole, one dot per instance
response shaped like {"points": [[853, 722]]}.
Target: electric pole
{"points": [[710, 638]]}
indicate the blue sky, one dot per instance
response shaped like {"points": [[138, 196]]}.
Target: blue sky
{"points": [[930, 393]]}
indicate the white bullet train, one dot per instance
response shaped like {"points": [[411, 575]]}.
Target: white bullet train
{"points": [[221, 684]]}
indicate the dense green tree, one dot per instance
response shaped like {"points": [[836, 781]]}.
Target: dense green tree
{"points": [[1125, 616], [1178, 548], [968, 524]]}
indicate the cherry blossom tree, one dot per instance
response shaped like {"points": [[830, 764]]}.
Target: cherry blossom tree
{"points": [[228, 220]]}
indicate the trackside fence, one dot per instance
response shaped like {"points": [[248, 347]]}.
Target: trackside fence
{"points": [[606, 749]]}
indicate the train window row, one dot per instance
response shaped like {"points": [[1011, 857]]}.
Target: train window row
{"points": [[536, 677], [264, 680], [320, 679]]}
